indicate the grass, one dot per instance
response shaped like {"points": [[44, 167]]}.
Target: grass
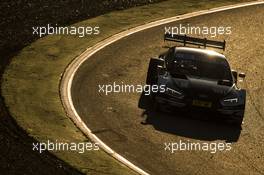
{"points": [[31, 82]]}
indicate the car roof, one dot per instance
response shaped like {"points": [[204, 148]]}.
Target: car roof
{"points": [[199, 50]]}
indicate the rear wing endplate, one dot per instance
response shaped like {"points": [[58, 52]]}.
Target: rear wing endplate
{"points": [[195, 41]]}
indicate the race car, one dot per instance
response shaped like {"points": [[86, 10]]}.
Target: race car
{"points": [[197, 78]]}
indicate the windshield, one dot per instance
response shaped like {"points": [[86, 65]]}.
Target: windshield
{"points": [[199, 65]]}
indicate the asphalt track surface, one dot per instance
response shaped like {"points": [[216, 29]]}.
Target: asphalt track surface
{"points": [[139, 135]]}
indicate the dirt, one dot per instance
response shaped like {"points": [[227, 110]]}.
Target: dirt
{"points": [[17, 20]]}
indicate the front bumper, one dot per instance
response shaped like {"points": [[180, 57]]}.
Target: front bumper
{"points": [[171, 102], [231, 113]]}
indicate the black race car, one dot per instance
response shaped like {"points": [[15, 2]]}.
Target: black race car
{"points": [[197, 78]]}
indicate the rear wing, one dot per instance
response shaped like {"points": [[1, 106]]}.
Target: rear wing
{"points": [[195, 41]]}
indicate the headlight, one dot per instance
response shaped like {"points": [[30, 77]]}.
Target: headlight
{"points": [[230, 101], [173, 93]]}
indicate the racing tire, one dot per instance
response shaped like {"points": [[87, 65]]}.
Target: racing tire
{"points": [[238, 122], [156, 106]]}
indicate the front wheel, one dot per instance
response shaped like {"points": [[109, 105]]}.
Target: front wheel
{"points": [[238, 122], [156, 106]]}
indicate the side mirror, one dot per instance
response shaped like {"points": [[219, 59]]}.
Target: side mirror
{"points": [[162, 56], [234, 73], [242, 75], [161, 70], [166, 47]]}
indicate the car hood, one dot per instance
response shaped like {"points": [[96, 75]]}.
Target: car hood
{"points": [[195, 87]]}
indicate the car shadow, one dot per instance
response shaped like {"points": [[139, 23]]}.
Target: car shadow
{"points": [[199, 126]]}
